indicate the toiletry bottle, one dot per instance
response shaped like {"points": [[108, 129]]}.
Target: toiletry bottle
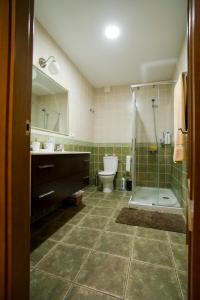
{"points": [[36, 145], [123, 184]]}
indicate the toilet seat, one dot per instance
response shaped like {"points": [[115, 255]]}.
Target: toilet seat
{"points": [[106, 173]]}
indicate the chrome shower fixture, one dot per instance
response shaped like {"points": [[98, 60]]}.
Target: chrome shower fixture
{"points": [[153, 103], [43, 62], [53, 66]]}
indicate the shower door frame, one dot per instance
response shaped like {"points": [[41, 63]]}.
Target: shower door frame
{"points": [[132, 202]]}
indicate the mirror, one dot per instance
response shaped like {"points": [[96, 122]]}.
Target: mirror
{"points": [[49, 109]]}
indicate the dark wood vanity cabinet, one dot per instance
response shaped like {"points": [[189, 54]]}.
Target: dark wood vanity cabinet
{"points": [[55, 177]]}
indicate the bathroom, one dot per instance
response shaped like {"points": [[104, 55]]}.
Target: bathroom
{"points": [[108, 163], [108, 118]]}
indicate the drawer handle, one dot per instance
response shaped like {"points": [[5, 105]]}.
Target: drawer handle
{"points": [[86, 160], [46, 194], [46, 166]]}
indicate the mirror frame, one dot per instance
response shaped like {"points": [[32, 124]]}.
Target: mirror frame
{"points": [[67, 93]]}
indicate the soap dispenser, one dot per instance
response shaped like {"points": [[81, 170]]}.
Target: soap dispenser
{"points": [[36, 146]]}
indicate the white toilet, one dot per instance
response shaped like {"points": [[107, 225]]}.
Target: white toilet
{"points": [[110, 164]]}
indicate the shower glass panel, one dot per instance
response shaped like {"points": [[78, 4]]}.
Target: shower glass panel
{"points": [[152, 146], [146, 148]]}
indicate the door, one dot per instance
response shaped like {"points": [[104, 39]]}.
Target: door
{"points": [[193, 211], [146, 188], [16, 27]]}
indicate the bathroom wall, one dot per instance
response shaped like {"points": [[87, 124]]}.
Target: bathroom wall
{"points": [[153, 169], [181, 65], [113, 115], [179, 181], [112, 127], [80, 91], [110, 121], [163, 96], [80, 95], [108, 128], [99, 150]]}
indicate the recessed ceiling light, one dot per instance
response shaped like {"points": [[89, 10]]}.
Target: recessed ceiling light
{"points": [[112, 32]]}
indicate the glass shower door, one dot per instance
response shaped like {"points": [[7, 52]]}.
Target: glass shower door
{"points": [[145, 154], [152, 166], [166, 196]]}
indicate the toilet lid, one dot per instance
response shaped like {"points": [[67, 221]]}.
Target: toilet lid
{"points": [[106, 173]]}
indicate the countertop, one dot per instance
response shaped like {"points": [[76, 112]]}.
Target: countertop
{"points": [[57, 152]]}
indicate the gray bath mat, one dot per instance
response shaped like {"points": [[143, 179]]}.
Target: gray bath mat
{"points": [[151, 219]]}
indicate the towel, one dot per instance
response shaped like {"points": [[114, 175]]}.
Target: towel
{"points": [[179, 119], [128, 163]]}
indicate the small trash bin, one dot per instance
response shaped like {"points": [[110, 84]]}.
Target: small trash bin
{"points": [[129, 185]]}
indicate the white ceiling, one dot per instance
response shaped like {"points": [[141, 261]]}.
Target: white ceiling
{"points": [[152, 33]]}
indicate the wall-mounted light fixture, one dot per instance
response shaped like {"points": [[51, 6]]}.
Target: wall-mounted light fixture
{"points": [[53, 66]]}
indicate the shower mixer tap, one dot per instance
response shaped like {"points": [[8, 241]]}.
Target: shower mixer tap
{"points": [[154, 105]]}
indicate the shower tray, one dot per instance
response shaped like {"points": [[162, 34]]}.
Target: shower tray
{"points": [[147, 198]]}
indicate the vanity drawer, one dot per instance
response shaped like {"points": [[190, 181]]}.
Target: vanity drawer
{"points": [[72, 164], [50, 167], [54, 178], [45, 191], [61, 188]]}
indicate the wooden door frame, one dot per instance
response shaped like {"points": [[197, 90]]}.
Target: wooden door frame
{"points": [[16, 35], [194, 146], [16, 27]]}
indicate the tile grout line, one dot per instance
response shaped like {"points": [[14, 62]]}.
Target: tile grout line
{"points": [[35, 267], [98, 251], [175, 269], [85, 261], [44, 256], [129, 266], [151, 264], [93, 250], [90, 252], [68, 291], [74, 225], [73, 283], [81, 266], [151, 239], [54, 276], [96, 290]]}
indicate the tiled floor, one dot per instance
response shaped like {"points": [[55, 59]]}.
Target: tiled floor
{"points": [[89, 256]]}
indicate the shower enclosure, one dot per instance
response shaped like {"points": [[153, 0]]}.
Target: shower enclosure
{"points": [[152, 147]]}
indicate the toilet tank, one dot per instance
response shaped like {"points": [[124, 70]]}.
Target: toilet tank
{"points": [[110, 163]]}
